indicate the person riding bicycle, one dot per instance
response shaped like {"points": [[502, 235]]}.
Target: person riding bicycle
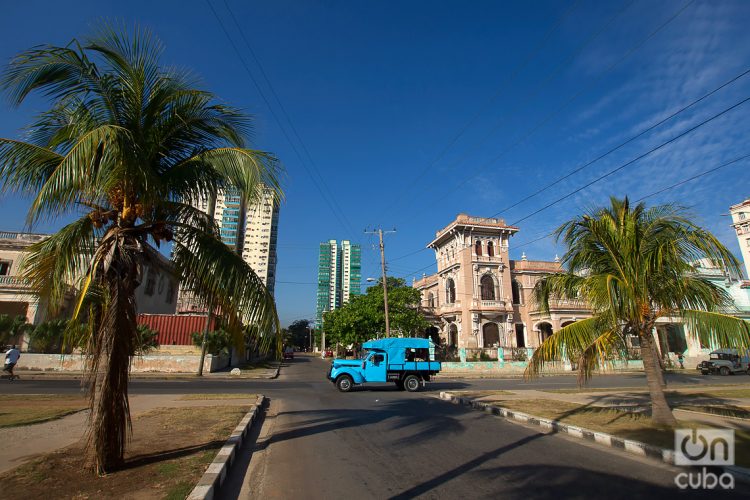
{"points": [[11, 358]]}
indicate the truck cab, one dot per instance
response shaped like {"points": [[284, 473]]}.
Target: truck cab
{"points": [[407, 362]]}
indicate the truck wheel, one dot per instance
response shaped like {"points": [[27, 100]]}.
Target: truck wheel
{"points": [[724, 371], [400, 384], [344, 383], [411, 382]]}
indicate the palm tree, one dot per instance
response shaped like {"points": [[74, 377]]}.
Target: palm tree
{"points": [[13, 327], [633, 265], [129, 147]]}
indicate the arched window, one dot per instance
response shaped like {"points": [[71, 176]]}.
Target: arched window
{"points": [[516, 290], [430, 300], [450, 291], [490, 249], [478, 247], [488, 287], [453, 335], [490, 335]]}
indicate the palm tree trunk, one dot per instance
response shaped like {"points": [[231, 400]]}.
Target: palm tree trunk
{"points": [[110, 364], [661, 413]]}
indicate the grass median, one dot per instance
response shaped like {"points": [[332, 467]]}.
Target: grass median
{"points": [[631, 423], [27, 409], [169, 452]]}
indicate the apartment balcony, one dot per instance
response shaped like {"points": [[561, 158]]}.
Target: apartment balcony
{"points": [[486, 259], [489, 305], [14, 283], [453, 307]]}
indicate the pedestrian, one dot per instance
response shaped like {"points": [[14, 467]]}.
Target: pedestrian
{"points": [[681, 360], [11, 358]]}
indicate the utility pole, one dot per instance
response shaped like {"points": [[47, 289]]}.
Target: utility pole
{"points": [[209, 304], [380, 233]]}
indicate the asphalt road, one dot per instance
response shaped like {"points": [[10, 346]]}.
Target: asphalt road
{"points": [[315, 442], [297, 376]]}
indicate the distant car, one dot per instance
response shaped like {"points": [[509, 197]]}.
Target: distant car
{"points": [[288, 353], [725, 362]]}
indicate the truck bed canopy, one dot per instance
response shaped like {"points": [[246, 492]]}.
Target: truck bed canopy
{"points": [[396, 347]]}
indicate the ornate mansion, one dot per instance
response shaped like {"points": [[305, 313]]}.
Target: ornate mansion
{"points": [[479, 298]]}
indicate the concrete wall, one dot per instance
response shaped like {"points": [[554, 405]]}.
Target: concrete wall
{"points": [[499, 368], [140, 364]]}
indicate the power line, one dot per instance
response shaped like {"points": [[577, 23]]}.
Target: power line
{"points": [[660, 191], [673, 139], [640, 134], [343, 223], [315, 168], [567, 103], [706, 172], [530, 96], [537, 48]]}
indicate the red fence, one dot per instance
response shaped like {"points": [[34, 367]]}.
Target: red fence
{"points": [[175, 329]]}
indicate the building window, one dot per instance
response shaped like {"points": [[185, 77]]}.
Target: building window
{"points": [[490, 249], [5, 267], [478, 247], [150, 283], [742, 215], [747, 242], [516, 291], [430, 300], [488, 287], [170, 293], [450, 291]]}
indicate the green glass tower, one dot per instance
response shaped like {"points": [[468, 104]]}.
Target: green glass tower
{"points": [[339, 276]]}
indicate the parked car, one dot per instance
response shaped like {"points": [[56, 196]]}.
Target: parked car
{"points": [[288, 353], [725, 362]]}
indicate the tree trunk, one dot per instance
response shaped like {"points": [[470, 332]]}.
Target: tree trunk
{"points": [[661, 413], [110, 350]]}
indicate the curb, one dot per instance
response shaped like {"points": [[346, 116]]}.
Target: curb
{"points": [[278, 369], [635, 447], [217, 470]]}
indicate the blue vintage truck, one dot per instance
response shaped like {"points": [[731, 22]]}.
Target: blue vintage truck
{"points": [[409, 362]]}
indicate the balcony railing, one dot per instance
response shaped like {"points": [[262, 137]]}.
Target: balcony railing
{"points": [[12, 235], [13, 280]]}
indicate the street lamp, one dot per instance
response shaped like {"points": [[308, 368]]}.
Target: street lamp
{"points": [[385, 303]]}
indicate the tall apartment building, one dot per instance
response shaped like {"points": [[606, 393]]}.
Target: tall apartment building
{"points": [[339, 276], [741, 223], [250, 230]]}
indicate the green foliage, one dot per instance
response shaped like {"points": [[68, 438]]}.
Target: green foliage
{"points": [[299, 333], [12, 326], [146, 340], [633, 265], [126, 147], [48, 336], [363, 318], [217, 342]]}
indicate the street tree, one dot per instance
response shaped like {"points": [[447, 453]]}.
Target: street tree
{"points": [[299, 333], [633, 265], [13, 327], [363, 318], [128, 148]]}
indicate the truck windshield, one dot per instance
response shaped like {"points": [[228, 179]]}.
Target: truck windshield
{"points": [[365, 353]]}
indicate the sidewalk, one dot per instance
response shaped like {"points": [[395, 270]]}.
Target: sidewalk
{"points": [[38, 439], [258, 373]]}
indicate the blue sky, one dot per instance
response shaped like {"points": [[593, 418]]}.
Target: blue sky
{"points": [[413, 112]]}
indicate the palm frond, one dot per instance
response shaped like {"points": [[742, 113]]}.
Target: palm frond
{"points": [[213, 272], [60, 261], [718, 329]]}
